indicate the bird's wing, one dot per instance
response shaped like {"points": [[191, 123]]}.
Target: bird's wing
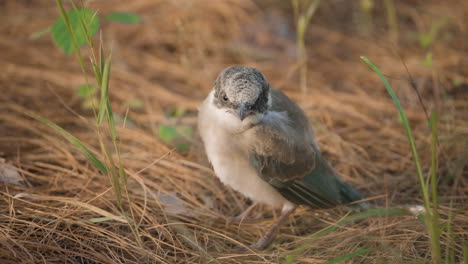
{"points": [[285, 155], [286, 164]]}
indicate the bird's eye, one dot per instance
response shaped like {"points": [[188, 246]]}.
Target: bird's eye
{"points": [[225, 98]]}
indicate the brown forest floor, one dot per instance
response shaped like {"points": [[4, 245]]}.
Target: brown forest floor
{"points": [[171, 60]]}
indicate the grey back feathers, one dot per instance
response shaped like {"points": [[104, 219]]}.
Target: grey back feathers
{"points": [[295, 165]]}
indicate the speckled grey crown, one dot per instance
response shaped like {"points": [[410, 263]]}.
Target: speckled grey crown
{"points": [[241, 85], [233, 73]]}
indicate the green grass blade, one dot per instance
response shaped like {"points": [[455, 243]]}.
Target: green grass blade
{"points": [[86, 91], [406, 126], [349, 256], [40, 33], [89, 22], [101, 57], [431, 223], [435, 228], [103, 105], [434, 165], [311, 10], [391, 16], [97, 73], [89, 25], [290, 258], [375, 212], [110, 113], [117, 187], [450, 246], [111, 122], [73, 140], [128, 18]]}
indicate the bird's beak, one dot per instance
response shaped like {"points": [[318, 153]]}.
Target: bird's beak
{"points": [[242, 111]]}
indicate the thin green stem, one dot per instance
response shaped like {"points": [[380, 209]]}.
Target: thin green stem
{"points": [[85, 27], [40, 33], [449, 247], [407, 128], [391, 17], [70, 31], [435, 229], [431, 217], [303, 19], [115, 172]]}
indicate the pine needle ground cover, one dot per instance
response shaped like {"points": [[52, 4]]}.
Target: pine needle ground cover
{"points": [[57, 206]]}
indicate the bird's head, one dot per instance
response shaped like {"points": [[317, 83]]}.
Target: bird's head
{"points": [[242, 92]]}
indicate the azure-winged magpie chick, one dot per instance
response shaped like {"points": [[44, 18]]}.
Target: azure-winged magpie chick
{"points": [[261, 144]]}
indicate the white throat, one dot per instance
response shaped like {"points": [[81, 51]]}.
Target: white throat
{"points": [[230, 159], [228, 120]]}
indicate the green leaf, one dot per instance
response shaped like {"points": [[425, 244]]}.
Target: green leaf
{"points": [[176, 136], [176, 112], [425, 39], [421, 218], [86, 91], [167, 133], [61, 35], [90, 103], [185, 130], [183, 146], [127, 18]]}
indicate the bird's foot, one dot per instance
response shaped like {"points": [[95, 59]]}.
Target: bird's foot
{"points": [[260, 245], [265, 241], [239, 219], [243, 219], [244, 216]]}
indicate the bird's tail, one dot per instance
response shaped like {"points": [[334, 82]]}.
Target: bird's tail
{"points": [[328, 186], [349, 195]]}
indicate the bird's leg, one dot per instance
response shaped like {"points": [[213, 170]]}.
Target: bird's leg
{"points": [[242, 217], [266, 240], [245, 213]]}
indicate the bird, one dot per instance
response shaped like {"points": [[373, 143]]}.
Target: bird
{"points": [[261, 144]]}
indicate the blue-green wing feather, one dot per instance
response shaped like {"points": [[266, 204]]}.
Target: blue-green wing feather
{"points": [[321, 187], [286, 156]]}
